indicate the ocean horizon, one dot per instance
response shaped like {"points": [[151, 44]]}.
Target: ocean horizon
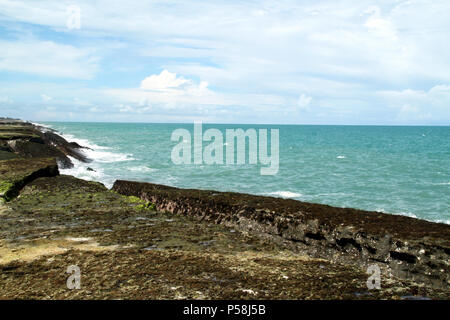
{"points": [[393, 169]]}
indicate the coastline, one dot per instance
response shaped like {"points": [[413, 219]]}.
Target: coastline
{"points": [[363, 180], [407, 249]]}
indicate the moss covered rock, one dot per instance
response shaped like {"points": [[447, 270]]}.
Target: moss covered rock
{"points": [[16, 173]]}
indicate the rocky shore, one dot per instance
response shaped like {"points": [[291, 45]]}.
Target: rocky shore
{"points": [[25, 140], [147, 241], [405, 247]]}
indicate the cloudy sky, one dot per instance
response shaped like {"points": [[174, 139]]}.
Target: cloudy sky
{"points": [[302, 62]]}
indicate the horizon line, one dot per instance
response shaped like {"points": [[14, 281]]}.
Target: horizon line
{"points": [[238, 123]]}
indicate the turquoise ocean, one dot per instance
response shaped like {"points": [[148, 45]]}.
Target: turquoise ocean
{"points": [[399, 170]]}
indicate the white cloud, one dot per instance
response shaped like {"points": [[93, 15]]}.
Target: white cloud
{"points": [[255, 55], [304, 101], [95, 109], [6, 100], [167, 93], [165, 90], [47, 58], [126, 108], [163, 81], [45, 97], [379, 25], [418, 105]]}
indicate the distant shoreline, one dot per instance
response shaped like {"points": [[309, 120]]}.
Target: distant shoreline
{"points": [[256, 124]]}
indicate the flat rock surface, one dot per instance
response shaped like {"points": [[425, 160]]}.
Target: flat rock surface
{"points": [[126, 250], [15, 173], [375, 223], [409, 248], [5, 155]]}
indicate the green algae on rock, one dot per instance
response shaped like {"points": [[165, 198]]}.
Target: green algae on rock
{"points": [[16, 173], [408, 248], [128, 253], [5, 155], [17, 135]]}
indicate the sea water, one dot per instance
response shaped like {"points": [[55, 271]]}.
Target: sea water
{"points": [[399, 170]]}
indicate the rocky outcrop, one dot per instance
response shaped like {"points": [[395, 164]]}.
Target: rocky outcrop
{"points": [[127, 250], [31, 141], [405, 247], [7, 155], [68, 148], [29, 149], [16, 173]]}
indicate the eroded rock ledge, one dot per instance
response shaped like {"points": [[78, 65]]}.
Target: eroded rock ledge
{"points": [[20, 139], [16, 173], [404, 247]]}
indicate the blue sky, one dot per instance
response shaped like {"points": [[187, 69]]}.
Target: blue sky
{"points": [[286, 62]]}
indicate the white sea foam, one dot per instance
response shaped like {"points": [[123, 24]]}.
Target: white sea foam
{"points": [[43, 127], [412, 215], [341, 157], [285, 194], [82, 142], [95, 152], [407, 214], [143, 169], [80, 170], [107, 156], [98, 153]]}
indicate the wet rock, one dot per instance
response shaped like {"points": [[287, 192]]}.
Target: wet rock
{"points": [[69, 149], [77, 146], [4, 146], [31, 141], [29, 149]]}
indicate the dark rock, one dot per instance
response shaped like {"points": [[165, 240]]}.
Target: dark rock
{"points": [[51, 138], [16, 173], [409, 248], [4, 146], [13, 135], [29, 140], [77, 146], [28, 149], [6, 155]]}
